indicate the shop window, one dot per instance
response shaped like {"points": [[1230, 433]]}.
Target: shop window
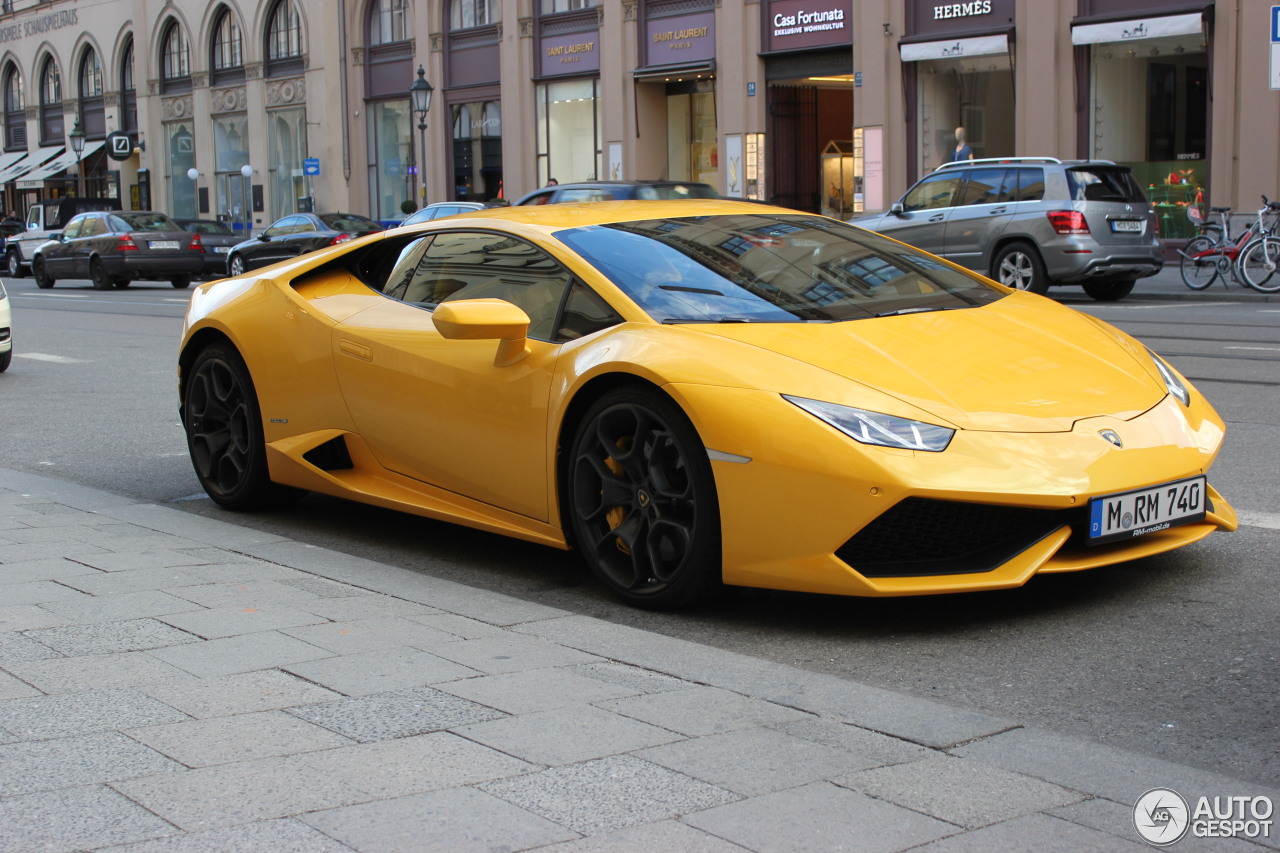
{"points": [[692, 152], [287, 148], [477, 151], [284, 40], [390, 154], [180, 155], [975, 93], [15, 115], [226, 61], [388, 22], [568, 116], [175, 60], [51, 126]]}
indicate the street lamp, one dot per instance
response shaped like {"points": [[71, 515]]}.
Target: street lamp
{"points": [[420, 98], [77, 145], [246, 172]]}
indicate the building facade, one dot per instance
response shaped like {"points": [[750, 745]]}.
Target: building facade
{"points": [[246, 110]]}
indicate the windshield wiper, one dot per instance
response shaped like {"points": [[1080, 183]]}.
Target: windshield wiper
{"points": [[898, 311]]}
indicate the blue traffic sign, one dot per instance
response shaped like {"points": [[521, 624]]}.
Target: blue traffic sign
{"points": [[1275, 24], [311, 166]]}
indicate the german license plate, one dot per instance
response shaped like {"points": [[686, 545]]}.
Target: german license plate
{"points": [[162, 244], [221, 250], [1127, 225], [1131, 514]]}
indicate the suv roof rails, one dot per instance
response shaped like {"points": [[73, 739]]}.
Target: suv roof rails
{"points": [[957, 163]]}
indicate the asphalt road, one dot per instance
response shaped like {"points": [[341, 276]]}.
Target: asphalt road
{"points": [[1174, 655]]}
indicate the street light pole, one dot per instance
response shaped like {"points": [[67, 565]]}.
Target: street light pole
{"points": [[420, 97], [77, 145]]}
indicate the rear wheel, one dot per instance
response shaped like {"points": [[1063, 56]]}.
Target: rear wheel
{"points": [[642, 501], [224, 432], [120, 282], [1109, 291], [5, 358], [1018, 265], [13, 263], [1258, 265], [98, 275], [1199, 270], [181, 282], [41, 274]]}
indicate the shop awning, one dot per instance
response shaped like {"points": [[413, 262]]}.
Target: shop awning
{"points": [[25, 164], [7, 160], [65, 159], [658, 72], [955, 48], [1139, 28]]}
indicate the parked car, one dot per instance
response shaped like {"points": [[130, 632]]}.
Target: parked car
{"points": [[1032, 223], [441, 209], [698, 393], [297, 234], [618, 190], [217, 240], [113, 248], [45, 220], [6, 330]]}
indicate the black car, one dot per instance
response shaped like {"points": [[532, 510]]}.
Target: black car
{"points": [[217, 239], [297, 234], [617, 190], [114, 248]]}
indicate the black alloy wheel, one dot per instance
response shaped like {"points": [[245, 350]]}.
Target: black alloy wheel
{"points": [[98, 275], [642, 501], [41, 274], [224, 432]]}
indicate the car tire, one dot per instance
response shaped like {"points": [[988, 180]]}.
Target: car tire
{"points": [[642, 501], [121, 282], [40, 274], [98, 275], [1018, 265], [1109, 291], [223, 424], [5, 358], [181, 282], [13, 263], [235, 265]]}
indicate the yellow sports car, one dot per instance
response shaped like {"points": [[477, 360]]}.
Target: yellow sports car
{"points": [[700, 393]]}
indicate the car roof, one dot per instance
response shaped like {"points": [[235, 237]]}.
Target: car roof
{"points": [[554, 217]]}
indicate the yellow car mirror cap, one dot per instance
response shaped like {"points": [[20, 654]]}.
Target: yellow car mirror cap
{"points": [[485, 320]]}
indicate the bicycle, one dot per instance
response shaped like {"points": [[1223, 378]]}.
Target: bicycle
{"points": [[1212, 253]]}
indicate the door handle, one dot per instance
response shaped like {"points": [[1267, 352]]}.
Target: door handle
{"points": [[358, 350], [996, 210], [937, 217]]}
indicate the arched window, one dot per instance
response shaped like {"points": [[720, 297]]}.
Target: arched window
{"points": [[465, 14], [128, 92], [15, 114], [51, 128], [93, 115], [284, 40], [227, 61], [388, 22], [175, 60]]}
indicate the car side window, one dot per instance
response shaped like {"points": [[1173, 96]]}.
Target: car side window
{"points": [[984, 186], [567, 196], [281, 227], [585, 312], [92, 226], [479, 265], [1030, 185], [935, 191], [73, 228], [540, 198], [302, 225]]}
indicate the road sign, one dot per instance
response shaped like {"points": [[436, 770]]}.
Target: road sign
{"points": [[1275, 47], [311, 166]]}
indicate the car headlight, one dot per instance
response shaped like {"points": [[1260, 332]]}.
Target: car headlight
{"points": [[1171, 380], [875, 428]]}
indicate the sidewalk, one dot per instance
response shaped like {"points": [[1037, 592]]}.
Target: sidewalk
{"points": [[1168, 285], [174, 683]]}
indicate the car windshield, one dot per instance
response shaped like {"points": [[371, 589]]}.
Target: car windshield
{"points": [[208, 227], [751, 268], [675, 191], [348, 222], [143, 222], [1103, 183]]}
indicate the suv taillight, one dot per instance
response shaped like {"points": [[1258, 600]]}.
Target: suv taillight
{"points": [[126, 244], [1068, 221]]}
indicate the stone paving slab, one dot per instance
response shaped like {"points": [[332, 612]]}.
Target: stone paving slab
{"points": [[367, 635], [42, 717], [696, 711], [286, 835], [380, 671], [533, 690], [566, 735], [242, 653], [103, 638], [210, 623], [396, 714], [139, 604], [24, 617], [243, 737], [80, 818], [59, 674], [49, 765], [241, 693]]}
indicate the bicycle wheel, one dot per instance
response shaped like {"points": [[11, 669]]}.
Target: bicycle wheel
{"points": [[1258, 263], [1199, 272]]}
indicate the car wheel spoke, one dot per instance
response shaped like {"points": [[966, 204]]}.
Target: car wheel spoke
{"points": [[219, 425]]}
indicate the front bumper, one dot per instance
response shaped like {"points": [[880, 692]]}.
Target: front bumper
{"points": [[796, 516]]}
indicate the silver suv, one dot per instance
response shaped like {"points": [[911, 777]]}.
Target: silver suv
{"points": [[1032, 222]]}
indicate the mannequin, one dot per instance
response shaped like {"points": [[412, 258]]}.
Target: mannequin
{"points": [[962, 150]]}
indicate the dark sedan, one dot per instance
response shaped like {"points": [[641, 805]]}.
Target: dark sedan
{"points": [[217, 239], [297, 234], [112, 248], [619, 190]]}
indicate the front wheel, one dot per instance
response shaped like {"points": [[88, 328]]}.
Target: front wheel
{"points": [[1018, 265], [13, 263], [1258, 262], [642, 501], [1109, 291], [5, 358], [1199, 270], [41, 274], [224, 432], [236, 266]]}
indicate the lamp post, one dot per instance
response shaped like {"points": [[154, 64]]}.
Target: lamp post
{"points": [[77, 145], [420, 97], [246, 172]]}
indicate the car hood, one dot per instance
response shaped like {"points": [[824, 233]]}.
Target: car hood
{"points": [[1021, 364]]}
